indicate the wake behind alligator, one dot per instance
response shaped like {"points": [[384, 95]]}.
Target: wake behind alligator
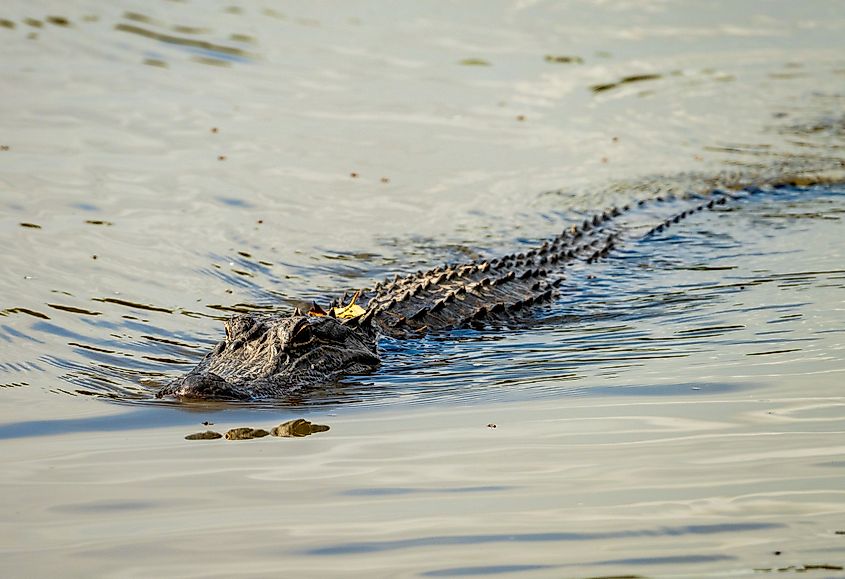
{"points": [[270, 356]]}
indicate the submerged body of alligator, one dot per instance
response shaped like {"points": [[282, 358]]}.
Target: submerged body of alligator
{"points": [[267, 356]]}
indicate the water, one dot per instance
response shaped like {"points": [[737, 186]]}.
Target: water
{"points": [[676, 412]]}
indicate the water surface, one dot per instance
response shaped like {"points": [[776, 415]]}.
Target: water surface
{"points": [[677, 411]]}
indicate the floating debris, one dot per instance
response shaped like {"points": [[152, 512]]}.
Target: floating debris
{"points": [[155, 62], [207, 435], [563, 59], [298, 428], [474, 62], [246, 433], [625, 80], [58, 21]]}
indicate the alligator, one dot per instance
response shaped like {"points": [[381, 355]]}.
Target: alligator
{"points": [[273, 355]]}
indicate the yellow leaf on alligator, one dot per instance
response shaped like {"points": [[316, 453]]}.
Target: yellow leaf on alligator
{"points": [[350, 310], [353, 310], [347, 312]]}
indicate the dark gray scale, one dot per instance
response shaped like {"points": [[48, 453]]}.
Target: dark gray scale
{"points": [[453, 295]]}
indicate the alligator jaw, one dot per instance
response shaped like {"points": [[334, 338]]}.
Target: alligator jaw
{"points": [[198, 386]]}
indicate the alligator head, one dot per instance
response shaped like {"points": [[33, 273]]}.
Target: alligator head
{"points": [[266, 356]]}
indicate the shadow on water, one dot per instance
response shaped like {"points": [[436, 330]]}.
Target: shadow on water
{"points": [[454, 540], [135, 419], [503, 569], [686, 294]]}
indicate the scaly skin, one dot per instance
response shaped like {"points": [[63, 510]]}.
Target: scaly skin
{"points": [[269, 356]]}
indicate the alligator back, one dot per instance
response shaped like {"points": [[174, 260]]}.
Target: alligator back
{"points": [[470, 294]]}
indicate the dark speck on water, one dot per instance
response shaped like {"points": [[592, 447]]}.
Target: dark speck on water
{"points": [[625, 80], [58, 20], [563, 59], [474, 62]]}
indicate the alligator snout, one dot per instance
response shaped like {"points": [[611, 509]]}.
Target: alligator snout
{"points": [[202, 386]]}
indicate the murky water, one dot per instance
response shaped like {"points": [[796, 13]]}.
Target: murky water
{"points": [[676, 412]]}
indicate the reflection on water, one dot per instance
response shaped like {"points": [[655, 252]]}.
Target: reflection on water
{"points": [[677, 410]]}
